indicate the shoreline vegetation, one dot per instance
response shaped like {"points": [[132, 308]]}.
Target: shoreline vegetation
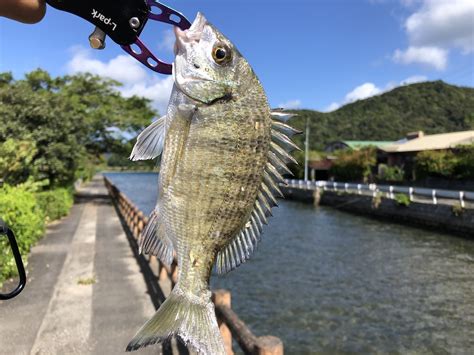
{"points": [[28, 212]]}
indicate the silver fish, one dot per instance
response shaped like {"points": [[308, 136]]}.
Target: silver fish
{"points": [[222, 160]]}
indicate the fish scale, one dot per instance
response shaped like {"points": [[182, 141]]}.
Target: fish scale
{"points": [[220, 200]]}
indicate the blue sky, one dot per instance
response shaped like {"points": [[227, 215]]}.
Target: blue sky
{"points": [[308, 53]]}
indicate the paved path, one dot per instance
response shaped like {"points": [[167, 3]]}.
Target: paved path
{"points": [[85, 293]]}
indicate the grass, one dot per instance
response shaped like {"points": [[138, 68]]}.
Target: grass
{"points": [[84, 281]]}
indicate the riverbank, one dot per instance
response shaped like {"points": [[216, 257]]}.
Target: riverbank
{"points": [[449, 218]]}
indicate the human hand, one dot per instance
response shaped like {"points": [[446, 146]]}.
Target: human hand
{"points": [[26, 11]]}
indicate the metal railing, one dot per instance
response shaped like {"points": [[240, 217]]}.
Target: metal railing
{"points": [[230, 324], [417, 194]]}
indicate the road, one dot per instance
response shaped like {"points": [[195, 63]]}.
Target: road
{"points": [[85, 292]]}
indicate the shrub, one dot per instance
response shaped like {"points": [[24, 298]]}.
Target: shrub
{"points": [[402, 200], [435, 163], [455, 164], [391, 173], [55, 203], [354, 165], [457, 210], [465, 166], [20, 210]]}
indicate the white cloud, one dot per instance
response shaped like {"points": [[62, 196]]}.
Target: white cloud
{"points": [[414, 79], [362, 92], [156, 90], [368, 89], [443, 23], [122, 68], [435, 28], [431, 56], [292, 104], [332, 107], [135, 77]]}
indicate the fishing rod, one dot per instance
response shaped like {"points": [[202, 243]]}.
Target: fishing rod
{"points": [[6, 231]]}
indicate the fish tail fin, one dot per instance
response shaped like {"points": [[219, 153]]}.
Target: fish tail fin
{"points": [[189, 317]]}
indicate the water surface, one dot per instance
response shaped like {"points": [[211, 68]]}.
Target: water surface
{"points": [[325, 281]]}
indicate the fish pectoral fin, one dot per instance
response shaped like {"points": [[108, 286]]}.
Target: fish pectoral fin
{"points": [[150, 142], [154, 241], [176, 139]]}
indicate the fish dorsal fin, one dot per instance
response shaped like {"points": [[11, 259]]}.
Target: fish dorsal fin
{"points": [[150, 142], [245, 242], [154, 241], [281, 115]]}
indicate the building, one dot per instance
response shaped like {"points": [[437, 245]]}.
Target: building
{"points": [[319, 169], [354, 145], [419, 142], [403, 152]]}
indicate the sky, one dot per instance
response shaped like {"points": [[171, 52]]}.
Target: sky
{"points": [[315, 54]]}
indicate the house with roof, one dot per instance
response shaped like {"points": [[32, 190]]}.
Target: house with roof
{"points": [[403, 152], [319, 169], [354, 145]]}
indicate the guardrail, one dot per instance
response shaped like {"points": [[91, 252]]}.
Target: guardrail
{"points": [[230, 324], [433, 196]]}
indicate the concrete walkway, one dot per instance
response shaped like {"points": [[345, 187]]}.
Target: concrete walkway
{"points": [[85, 293]]}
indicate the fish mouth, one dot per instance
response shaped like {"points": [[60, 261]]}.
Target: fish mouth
{"points": [[191, 35], [185, 74], [181, 83]]}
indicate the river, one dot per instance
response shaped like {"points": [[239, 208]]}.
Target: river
{"points": [[325, 281]]}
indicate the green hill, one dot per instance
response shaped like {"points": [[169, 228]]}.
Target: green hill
{"points": [[432, 107]]}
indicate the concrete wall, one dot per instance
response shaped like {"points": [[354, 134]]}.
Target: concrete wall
{"points": [[438, 217], [298, 194]]}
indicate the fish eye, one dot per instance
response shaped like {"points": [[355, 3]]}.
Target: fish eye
{"points": [[221, 54]]}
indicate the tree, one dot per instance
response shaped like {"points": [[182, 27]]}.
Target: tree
{"points": [[432, 107], [16, 160], [70, 121], [354, 165]]}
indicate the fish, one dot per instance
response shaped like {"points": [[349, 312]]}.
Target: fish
{"points": [[223, 157]]}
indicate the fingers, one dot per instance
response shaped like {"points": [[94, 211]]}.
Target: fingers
{"points": [[26, 11]]}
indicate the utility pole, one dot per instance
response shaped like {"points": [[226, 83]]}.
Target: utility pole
{"points": [[306, 153]]}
